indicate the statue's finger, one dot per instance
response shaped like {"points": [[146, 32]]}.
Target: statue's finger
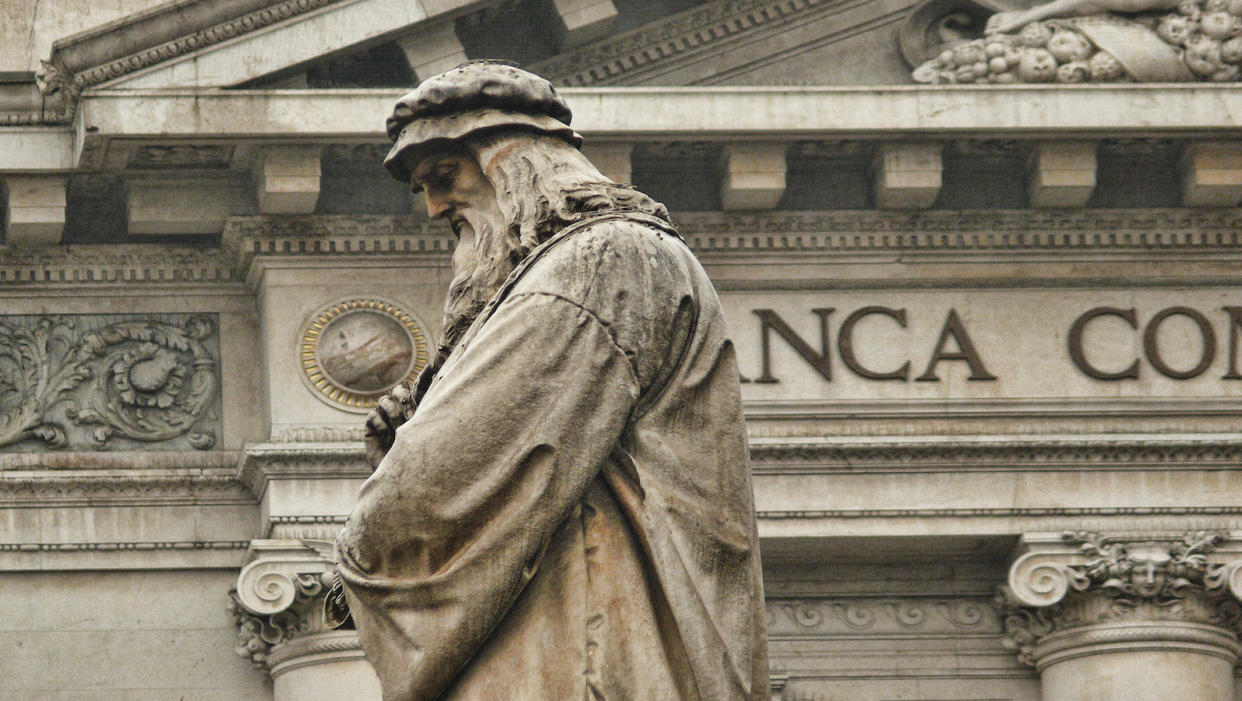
{"points": [[403, 396], [375, 451], [377, 425], [392, 411]]}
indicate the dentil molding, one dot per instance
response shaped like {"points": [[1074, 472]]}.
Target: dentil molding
{"points": [[974, 236]]}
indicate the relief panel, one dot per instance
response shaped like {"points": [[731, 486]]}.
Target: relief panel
{"points": [[109, 381]]}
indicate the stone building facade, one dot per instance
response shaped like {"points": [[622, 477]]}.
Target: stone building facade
{"points": [[989, 335]]}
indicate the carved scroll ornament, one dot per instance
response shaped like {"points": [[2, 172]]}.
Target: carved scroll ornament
{"points": [[280, 595], [145, 380]]}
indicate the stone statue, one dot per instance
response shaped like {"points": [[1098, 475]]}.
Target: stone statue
{"points": [[1078, 41], [561, 506]]}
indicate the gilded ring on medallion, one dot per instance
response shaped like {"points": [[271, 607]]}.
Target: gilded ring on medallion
{"points": [[354, 351]]}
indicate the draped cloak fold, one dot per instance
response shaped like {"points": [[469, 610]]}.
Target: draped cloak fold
{"points": [[569, 513]]}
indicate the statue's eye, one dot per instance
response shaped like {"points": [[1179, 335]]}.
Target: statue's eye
{"points": [[442, 176], [443, 183]]}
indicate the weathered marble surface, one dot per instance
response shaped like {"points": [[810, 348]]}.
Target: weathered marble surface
{"points": [[562, 506]]}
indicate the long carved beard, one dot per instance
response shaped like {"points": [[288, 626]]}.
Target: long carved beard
{"points": [[496, 254]]}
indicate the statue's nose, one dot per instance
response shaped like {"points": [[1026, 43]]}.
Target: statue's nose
{"points": [[436, 206]]}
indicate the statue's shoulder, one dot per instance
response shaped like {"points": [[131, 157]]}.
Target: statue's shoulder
{"points": [[618, 243], [609, 255]]}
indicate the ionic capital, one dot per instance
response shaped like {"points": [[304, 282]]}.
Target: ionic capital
{"points": [[279, 572], [279, 595], [1064, 589]]}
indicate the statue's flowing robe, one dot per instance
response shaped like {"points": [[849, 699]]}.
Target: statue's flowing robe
{"points": [[568, 515]]}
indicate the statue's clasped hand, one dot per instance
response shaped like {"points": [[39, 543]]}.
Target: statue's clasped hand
{"points": [[393, 409]]}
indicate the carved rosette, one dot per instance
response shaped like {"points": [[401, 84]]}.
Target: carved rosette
{"points": [[278, 606], [1084, 590]]}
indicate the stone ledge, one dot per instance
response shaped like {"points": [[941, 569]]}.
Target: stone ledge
{"points": [[999, 452], [62, 489], [697, 113], [282, 461]]}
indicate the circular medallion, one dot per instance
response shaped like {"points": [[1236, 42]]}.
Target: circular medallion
{"points": [[354, 351]]}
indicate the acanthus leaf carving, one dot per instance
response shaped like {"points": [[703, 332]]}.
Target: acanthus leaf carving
{"points": [[147, 380]]}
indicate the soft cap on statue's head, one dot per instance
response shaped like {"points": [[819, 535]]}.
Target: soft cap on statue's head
{"points": [[474, 96]]}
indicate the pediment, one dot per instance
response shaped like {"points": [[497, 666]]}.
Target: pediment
{"points": [[227, 43], [199, 44], [749, 42], [262, 43]]}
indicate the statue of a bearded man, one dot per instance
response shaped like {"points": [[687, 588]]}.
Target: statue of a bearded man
{"points": [[561, 506]]}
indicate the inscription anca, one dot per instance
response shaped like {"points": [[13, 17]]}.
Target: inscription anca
{"points": [[955, 344]]}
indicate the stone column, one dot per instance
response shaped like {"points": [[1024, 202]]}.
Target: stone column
{"points": [[278, 606], [1127, 619]]}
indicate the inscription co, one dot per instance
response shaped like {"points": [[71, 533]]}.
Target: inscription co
{"points": [[955, 345]]}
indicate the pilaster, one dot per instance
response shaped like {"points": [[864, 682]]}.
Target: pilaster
{"points": [[1136, 618]]}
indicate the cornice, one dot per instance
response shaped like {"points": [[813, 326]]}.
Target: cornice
{"points": [[1146, 512], [248, 238], [317, 434], [1135, 234], [708, 27], [116, 264], [85, 60], [1206, 452], [263, 462], [86, 462], [127, 546], [216, 487], [1147, 231]]}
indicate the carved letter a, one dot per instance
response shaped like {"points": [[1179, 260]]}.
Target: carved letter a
{"points": [[954, 327]]}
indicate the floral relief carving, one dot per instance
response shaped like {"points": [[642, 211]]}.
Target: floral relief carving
{"points": [[69, 382]]}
